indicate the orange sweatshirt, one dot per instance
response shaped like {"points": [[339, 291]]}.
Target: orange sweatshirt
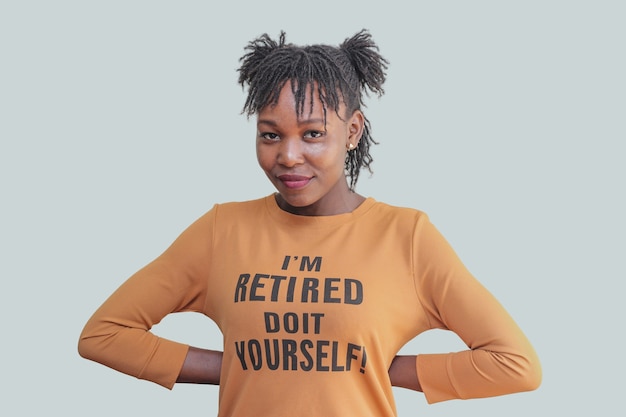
{"points": [[313, 310]]}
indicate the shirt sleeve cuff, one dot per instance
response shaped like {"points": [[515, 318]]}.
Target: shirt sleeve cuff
{"points": [[433, 376], [165, 364]]}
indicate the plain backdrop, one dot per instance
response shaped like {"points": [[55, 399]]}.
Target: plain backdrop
{"points": [[120, 124]]}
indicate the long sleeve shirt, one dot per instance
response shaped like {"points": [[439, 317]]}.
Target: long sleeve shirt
{"points": [[313, 310]]}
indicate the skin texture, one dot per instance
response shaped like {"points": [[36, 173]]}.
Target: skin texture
{"points": [[201, 366], [403, 373], [304, 158]]}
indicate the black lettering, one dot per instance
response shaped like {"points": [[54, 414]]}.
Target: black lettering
{"points": [[309, 286], [272, 322], [289, 354], [291, 326], [328, 290], [291, 322], [240, 289], [363, 361], [239, 346], [272, 360], [336, 367], [305, 345], [321, 355], [256, 284], [291, 289], [254, 350], [306, 355], [285, 262], [255, 288], [351, 297], [318, 318], [276, 286], [350, 356], [306, 264], [305, 323]]}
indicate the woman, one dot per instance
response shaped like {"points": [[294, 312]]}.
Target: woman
{"points": [[315, 288]]}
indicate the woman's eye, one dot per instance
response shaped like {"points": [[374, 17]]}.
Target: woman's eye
{"points": [[313, 134], [269, 136]]}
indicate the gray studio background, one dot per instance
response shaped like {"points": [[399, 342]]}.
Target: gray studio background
{"points": [[120, 124]]}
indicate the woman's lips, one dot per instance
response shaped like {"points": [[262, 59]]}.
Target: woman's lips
{"points": [[294, 181]]}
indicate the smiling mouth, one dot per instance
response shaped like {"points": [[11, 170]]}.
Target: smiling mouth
{"points": [[294, 181]]}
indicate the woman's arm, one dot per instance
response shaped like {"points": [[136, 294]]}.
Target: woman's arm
{"points": [[201, 366], [499, 359], [403, 373], [119, 335]]}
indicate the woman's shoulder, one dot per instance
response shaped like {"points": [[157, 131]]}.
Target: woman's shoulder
{"points": [[398, 211], [245, 205], [237, 208], [399, 218]]}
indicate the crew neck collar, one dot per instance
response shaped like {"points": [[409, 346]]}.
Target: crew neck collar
{"points": [[334, 220]]}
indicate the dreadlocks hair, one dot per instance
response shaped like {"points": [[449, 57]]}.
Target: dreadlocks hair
{"points": [[340, 74]]}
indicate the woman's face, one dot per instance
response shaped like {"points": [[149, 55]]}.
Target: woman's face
{"points": [[304, 157]]}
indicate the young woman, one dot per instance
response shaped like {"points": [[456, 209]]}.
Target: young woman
{"points": [[315, 288]]}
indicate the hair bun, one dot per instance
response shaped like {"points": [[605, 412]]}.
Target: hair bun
{"points": [[369, 64], [258, 49]]}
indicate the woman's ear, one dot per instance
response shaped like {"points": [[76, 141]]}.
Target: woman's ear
{"points": [[356, 125]]}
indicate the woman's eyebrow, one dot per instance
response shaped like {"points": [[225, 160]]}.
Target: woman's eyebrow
{"points": [[272, 122]]}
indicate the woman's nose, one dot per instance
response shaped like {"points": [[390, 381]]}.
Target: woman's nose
{"points": [[290, 152]]}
